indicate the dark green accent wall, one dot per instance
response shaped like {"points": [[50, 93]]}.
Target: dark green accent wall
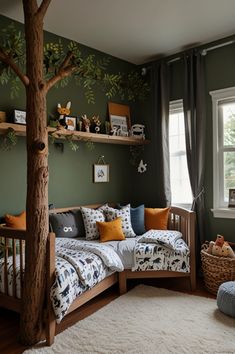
{"points": [[71, 174]]}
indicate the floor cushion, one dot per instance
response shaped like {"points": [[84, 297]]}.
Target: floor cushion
{"points": [[226, 298]]}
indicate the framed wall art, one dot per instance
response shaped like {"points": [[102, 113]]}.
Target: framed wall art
{"points": [[19, 117], [71, 122], [101, 173]]}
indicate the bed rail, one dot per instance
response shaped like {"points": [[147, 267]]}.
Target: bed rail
{"points": [[12, 264]]}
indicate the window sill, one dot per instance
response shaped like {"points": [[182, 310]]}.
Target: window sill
{"points": [[226, 213]]}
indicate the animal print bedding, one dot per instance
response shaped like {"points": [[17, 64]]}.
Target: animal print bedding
{"points": [[79, 266], [169, 252]]}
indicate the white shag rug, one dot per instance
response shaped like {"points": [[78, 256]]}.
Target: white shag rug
{"points": [[149, 320]]}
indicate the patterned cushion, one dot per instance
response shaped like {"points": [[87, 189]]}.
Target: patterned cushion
{"points": [[137, 219], [90, 217], [124, 213]]}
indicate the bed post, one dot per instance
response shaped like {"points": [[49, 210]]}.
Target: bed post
{"points": [[191, 235], [122, 282], [50, 269]]}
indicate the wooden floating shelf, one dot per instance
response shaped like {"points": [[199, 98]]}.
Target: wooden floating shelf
{"points": [[82, 136]]}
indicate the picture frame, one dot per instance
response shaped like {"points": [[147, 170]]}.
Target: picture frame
{"points": [[231, 200], [71, 122], [101, 173], [119, 125], [19, 116]]}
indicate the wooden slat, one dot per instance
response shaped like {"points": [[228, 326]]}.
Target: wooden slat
{"points": [[22, 265], [5, 266], [14, 267], [154, 274]]}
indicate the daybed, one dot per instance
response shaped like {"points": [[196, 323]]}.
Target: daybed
{"points": [[11, 276]]}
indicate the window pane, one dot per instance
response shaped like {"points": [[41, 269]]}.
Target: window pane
{"points": [[229, 173], [180, 185], [229, 123]]}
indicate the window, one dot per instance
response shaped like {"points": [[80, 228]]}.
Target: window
{"points": [[223, 102], [180, 185]]}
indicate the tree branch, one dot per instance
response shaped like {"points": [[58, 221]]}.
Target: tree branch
{"points": [[64, 70], [59, 76], [43, 7], [8, 60]]}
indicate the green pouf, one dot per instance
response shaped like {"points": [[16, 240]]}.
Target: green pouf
{"points": [[226, 298]]}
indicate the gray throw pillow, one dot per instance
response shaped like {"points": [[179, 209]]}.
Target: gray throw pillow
{"points": [[68, 224]]}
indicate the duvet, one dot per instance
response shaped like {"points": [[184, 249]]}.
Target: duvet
{"points": [[79, 266]]}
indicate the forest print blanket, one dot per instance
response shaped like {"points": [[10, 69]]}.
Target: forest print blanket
{"points": [[161, 250], [79, 266]]}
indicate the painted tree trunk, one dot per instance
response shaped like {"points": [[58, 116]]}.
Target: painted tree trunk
{"points": [[37, 179]]}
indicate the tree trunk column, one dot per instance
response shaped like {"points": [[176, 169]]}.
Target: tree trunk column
{"points": [[37, 180]]}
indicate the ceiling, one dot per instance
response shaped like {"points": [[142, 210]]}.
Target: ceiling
{"points": [[136, 30]]}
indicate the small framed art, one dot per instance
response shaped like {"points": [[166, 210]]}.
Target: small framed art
{"points": [[101, 173], [119, 124], [71, 122], [19, 117], [231, 200]]}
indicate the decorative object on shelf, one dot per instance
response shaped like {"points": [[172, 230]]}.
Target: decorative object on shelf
{"points": [[137, 131], [19, 117], [71, 122], [3, 117], [119, 116], [63, 112], [231, 200], [101, 170], [118, 125], [107, 127], [142, 167], [86, 122], [97, 122], [79, 124]]}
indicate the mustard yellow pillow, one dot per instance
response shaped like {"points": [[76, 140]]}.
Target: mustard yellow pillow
{"points": [[16, 221], [110, 230], [156, 218]]}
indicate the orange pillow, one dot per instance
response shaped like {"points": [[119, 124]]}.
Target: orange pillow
{"points": [[156, 218], [110, 230], [16, 221]]}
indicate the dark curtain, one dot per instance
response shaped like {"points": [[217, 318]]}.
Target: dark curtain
{"points": [[195, 130], [160, 80]]}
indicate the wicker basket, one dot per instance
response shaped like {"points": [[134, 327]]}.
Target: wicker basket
{"points": [[216, 270]]}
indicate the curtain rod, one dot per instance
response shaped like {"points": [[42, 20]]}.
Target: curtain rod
{"points": [[205, 50]]}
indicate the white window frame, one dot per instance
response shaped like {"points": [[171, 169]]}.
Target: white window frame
{"points": [[220, 209], [177, 106]]}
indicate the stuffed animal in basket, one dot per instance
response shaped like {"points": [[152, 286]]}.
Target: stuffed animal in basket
{"points": [[220, 248]]}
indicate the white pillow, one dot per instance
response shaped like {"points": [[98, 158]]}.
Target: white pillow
{"points": [[111, 214], [90, 216]]}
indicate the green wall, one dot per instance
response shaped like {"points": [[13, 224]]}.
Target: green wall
{"points": [[71, 178]]}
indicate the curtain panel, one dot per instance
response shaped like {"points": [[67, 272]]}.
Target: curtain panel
{"points": [[160, 89], [195, 130]]}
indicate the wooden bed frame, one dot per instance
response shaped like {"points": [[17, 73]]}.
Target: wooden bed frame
{"points": [[182, 220], [179, 219]]}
